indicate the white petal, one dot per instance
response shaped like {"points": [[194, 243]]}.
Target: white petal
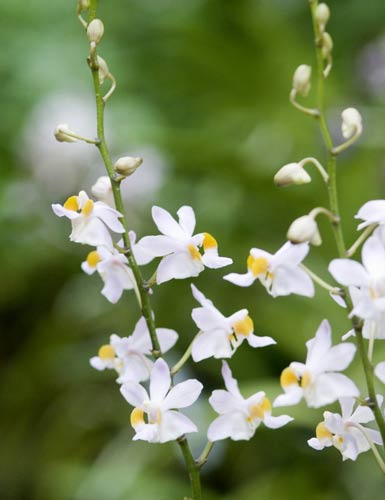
{"points": [[173, 425], [328, 387], [231, 425], [348, 272], [140, 337], [135, 368], [167, 338], [292, 396], [318, 346], [212, 260], [255, 341], [246, 279], [134, 394], [380, 371], [362, 415], [178, 266], [109, 216], [160, 380], [316, 444], [224, 401], [347, 405], [147, 432], [349, 447], [186, 219], [373, 256], [290, 254], [166, 223], [214, 343], [276, 422], [337, 358], [209, 318], [371, 212], [156, 246], [231, 383], [64, 212], [98, 363], [183, 394], [289, 280]]}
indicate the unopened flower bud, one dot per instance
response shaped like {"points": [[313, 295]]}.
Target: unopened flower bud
{"points": [[95, 31], [351, 122], [127, 165], [304, 229], [83, 5], [62, 132], [292, 173], [103, 69], [322, 15], [102, 190], [327, 45], [301, 79]]}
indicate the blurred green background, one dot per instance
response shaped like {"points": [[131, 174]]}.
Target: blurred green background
{"points": [[202, 96]]}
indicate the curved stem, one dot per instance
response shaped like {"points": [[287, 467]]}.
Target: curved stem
{"points": [[321, 282], [192, 467], [103, 149], [303, 109], [178, 366], [320, 168], [205, 454], [376, 454], [339, 149]]}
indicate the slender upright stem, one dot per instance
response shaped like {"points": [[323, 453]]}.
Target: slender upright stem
{"points": [[338, 234], [193, 469], [103, 149]]}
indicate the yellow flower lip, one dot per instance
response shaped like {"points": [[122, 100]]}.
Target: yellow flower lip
{"points": [[258, 265], [322, 432], [88, 207], [93, 258], [259, 410], [288, 377], [136, 417], [244, 327], [194, 252], [209, 242], [106, 352], [71, 203]]}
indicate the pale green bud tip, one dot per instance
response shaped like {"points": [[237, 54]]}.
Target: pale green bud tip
{"points": [[351, 122], [95, 31], [292, 173], [304, 229], [301, 79], [62, 132], [327, 44], [127, 165], [322, 14], [83, 5], [103, 69]]}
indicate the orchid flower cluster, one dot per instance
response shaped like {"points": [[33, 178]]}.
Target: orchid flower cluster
{"points": [[138, 360]]}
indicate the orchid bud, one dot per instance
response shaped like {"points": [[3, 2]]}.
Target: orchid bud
{"points": [[304, 229], [95, 31], [102, 190], [127, 165], [322, 15], [83, 5], [351, 122], [301, 79], [292, 173], [62, 132], [327, 45], [103, 69]]}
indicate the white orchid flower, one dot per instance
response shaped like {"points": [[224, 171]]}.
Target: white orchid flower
{"points": [[345, 431], [128, 356], [162, 423], [179, 247], [112, 267], [279, 273], [372, 212], [90, 220], [366, 283], [317, 379], [219, 336], [239, 417]]}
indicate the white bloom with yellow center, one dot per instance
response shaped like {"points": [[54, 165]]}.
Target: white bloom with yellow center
{"points": [[179, 247], [366, 283], [90, 220], [239, 417], [220, 336], [279, 273], [112, 267], [154, 417], [317, 380], [371, 212], [346, 432], [129, 356]]}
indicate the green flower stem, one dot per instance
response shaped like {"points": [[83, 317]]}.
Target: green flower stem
{"points": [[193, 469], [102, 146], [331, 289], [363, 236], [376, 454], [205, 454], [178, 366], [338, 234]]}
